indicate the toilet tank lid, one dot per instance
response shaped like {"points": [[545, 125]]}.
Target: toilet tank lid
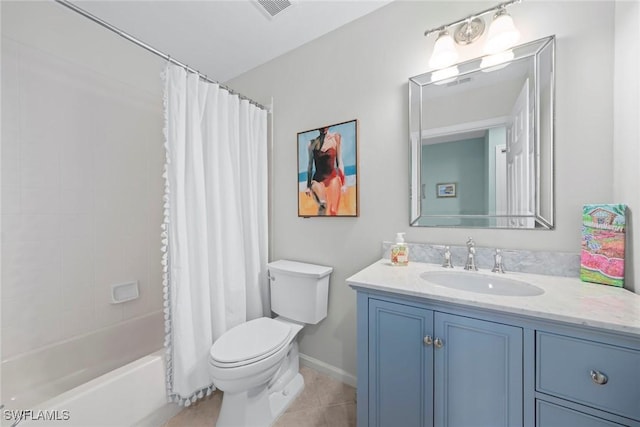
{"points": [[300, 268]]}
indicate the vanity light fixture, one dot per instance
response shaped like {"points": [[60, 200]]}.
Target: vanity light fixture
{"points": [[469, 31], [502, 35], [444, 51]]}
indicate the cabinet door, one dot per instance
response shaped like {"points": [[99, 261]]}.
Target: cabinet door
{"points": [[400, 363], [477, 373]]}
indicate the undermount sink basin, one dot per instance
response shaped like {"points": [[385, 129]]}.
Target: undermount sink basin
{"points": [[482, 283]]}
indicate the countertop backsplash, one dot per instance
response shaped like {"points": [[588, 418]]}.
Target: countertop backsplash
{"points": [[565, 264]]}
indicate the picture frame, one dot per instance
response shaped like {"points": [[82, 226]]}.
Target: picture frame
{"points": [[446, 189], [328, 171]]}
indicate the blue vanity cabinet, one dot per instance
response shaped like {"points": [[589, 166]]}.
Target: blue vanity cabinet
{"points": [[433, 356], [424, 367]]}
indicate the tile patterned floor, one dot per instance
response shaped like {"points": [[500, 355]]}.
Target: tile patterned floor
{"points": [[324, 402]]}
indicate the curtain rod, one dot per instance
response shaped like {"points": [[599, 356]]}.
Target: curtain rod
{"points": [[151, 49]]}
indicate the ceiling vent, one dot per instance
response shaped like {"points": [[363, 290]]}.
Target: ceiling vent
{"points": [[274, 7]]}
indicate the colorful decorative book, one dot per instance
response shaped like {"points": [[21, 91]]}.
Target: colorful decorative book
{"points": [[602, 255]]}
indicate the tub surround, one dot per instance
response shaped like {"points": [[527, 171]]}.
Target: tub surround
{"points": [[81, 201], [565, 299], [537, 262]]}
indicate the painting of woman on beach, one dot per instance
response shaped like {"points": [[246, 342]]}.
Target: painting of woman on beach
{"points": [[327, 171]]}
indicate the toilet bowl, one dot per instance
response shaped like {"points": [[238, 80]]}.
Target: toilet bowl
{"points": [[249, 354], [256, 364]]}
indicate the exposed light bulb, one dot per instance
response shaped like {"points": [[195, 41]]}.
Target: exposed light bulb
{"points": [[503, 34], [444, 51]]}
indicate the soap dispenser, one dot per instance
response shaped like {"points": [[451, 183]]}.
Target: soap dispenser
{"points": [[400, 251]]}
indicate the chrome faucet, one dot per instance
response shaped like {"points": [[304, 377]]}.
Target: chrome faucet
{"points": [[471, 255], [447, 258], [498, 267]]}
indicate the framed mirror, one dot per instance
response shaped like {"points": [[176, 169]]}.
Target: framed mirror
{"points": [[481, 136]]}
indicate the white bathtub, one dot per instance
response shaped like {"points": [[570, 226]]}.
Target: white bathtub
{"points": [[60, 381], [133, 395]]}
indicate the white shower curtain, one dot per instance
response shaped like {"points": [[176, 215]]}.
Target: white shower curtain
{"points": [[215, 223]]}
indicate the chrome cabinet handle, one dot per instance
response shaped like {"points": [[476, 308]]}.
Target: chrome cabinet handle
{"points": [[428, 340], [438, 343], [598, 377]]}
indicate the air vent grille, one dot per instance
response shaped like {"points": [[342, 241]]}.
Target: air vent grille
{"points": [[274, 7]]}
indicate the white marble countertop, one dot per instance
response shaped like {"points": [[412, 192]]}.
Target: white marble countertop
{"points": [[565, 299]]}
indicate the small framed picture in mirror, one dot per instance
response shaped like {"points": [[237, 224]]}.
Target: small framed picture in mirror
{"points": [[447, 189]]}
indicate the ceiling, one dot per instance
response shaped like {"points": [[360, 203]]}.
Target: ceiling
{"points": [[223, 39]]}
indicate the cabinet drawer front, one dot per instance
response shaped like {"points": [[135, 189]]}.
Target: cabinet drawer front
{"points": [[550, 415], [589, 372]]}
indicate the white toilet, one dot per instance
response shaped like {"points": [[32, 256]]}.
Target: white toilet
{"points": [[256, 363]]}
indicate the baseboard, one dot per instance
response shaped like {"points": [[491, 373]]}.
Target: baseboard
{"points": [[329, 370]]}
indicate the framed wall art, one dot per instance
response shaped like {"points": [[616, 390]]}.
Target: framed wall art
{"points": [[328, 171], [447, 189]]}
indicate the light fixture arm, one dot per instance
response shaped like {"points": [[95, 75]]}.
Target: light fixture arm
{"points": [[471, 17]]}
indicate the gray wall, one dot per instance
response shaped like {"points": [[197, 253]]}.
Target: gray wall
{"points": [[626, 135], [361, 71]]}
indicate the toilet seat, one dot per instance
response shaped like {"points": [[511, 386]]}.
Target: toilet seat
{"points": [[249, 343]]}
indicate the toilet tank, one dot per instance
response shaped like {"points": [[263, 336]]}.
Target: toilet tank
{"points": [[299, 291]]}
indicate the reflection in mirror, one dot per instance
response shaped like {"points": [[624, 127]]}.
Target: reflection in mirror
{"points": [[482, 143]]}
